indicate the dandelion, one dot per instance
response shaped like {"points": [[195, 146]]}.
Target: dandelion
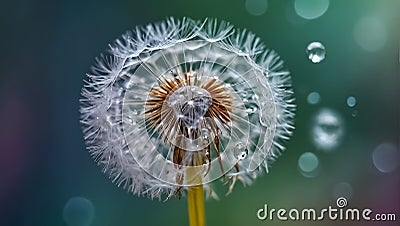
{"points": [[176, 105]]}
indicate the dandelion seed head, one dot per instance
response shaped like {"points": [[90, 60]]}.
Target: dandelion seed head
{"points": [[184, 94]]}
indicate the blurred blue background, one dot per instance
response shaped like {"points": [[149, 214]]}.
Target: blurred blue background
{"points": [[48, 178]]}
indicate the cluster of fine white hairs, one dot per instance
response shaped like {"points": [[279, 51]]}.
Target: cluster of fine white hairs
{"points": [[185, 96]]}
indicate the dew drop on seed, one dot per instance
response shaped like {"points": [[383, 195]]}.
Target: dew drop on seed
{"points": [[316, 52], [78, 211], [255, 97], [243, 94], [313, 98], [224, 133], [351, 101], [206, 136], [240, 151], [251, 108], [386, 157], [130, 120]]}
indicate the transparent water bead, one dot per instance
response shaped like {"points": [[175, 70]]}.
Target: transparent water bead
{"points": [[130, 120], [240, 151], [351, 101], [251, 108], [316, 52]]}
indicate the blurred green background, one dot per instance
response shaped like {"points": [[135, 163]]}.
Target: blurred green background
{"points": [[48, 46]]}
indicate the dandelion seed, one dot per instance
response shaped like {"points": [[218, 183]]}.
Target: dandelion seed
{"points": [[179, 104]]}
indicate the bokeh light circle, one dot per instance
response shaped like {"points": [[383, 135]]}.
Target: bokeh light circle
{"points": [[313, 98], [311, 9], [370, 34], [78, 211], [386, 157], [308, 164], [256, 7]]}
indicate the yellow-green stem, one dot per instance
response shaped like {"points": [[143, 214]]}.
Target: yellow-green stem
{"points": [[196, 205]]}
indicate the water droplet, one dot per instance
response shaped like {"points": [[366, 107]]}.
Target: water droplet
{"points": [[351, 101], [206, 136], [243, 93], [386, 157], [129, 119], [313, 98], [255, 97], [311, 9], [251, 108], [78, 211], [316, 52], [240, 151], [327, 130], [342, 189], [308, 163], [256, 7]]}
